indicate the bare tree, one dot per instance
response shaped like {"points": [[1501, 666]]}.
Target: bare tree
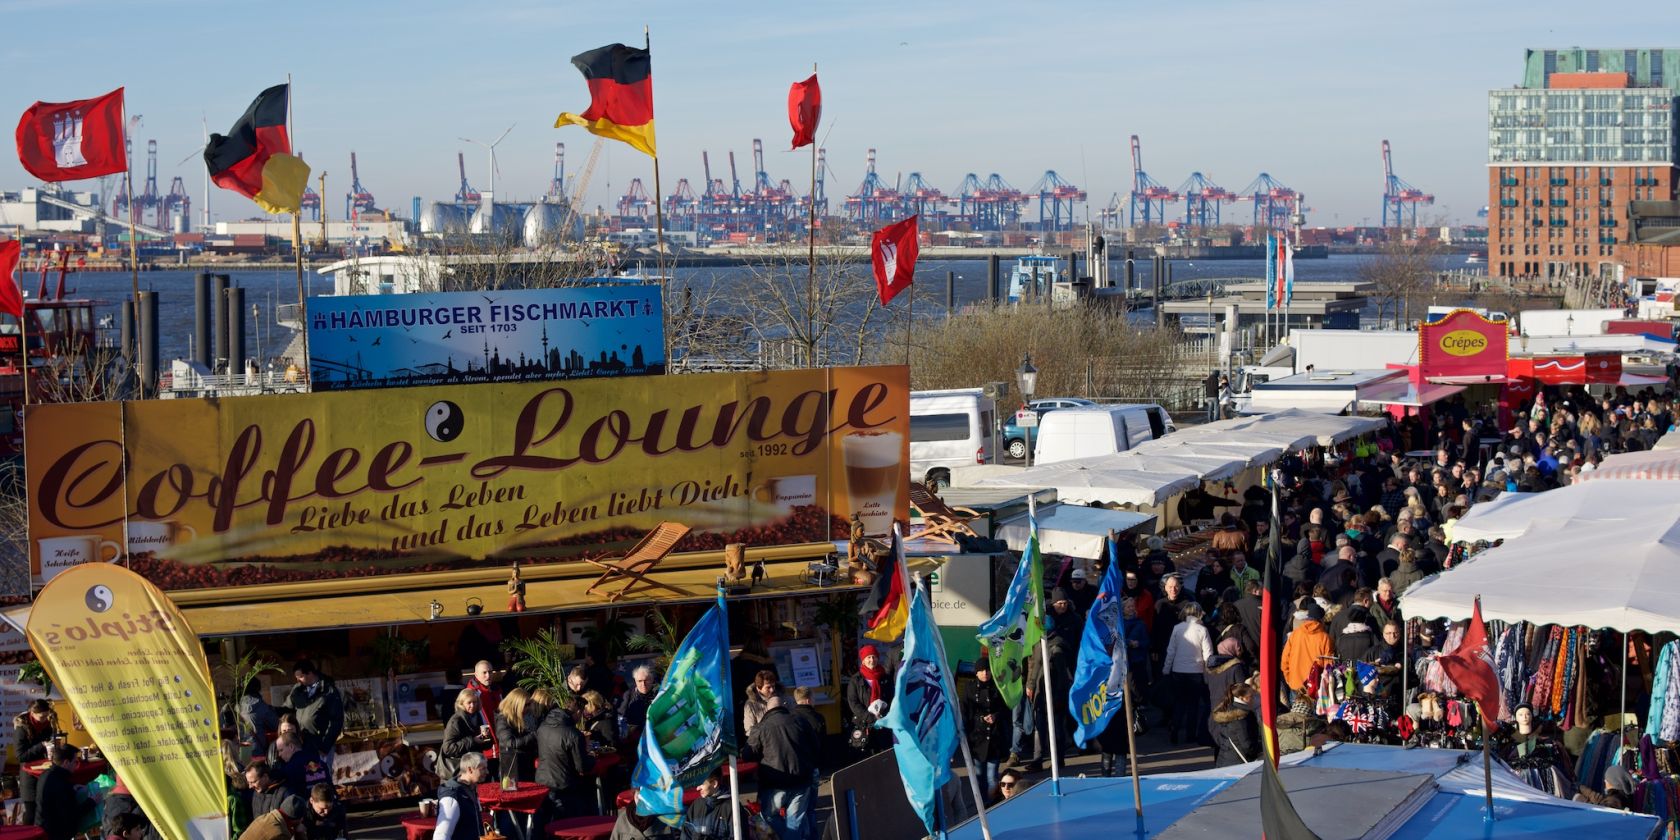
{"points": [[826, 316], [1401, 274]]}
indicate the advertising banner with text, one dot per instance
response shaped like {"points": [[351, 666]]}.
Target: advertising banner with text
{"points": [[504, 335], [292, 487], [136, 675], [1463, 345]]}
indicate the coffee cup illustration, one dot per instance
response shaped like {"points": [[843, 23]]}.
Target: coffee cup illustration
{"points": [[60, 553], [874, 466], [157, 536]]}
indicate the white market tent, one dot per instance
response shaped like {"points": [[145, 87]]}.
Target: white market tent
{"points": [[1599, 574], [1085, 480], [1650, 465], [1071, 529], [1614, 504]]}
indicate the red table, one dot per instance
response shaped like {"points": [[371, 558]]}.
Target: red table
{"points": [[23, 832], [416, 827], [525, 799], [82, 773], [580, 828]]}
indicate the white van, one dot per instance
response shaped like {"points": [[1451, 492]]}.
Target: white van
{"points": [[953, 428], [1069, 433]]}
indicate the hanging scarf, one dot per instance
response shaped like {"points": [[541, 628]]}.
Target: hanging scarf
{"points": [[873, 676]]}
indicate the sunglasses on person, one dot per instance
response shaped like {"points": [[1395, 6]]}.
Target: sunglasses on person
{"points": [[1006, 785]]}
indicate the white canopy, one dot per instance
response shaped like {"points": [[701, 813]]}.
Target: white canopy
{"points": [[1208, 466], [1073, 530], [1086, 480], [1291, 428], [1650, 465], [1252, 453], [1614, 573], [1570, 509]]}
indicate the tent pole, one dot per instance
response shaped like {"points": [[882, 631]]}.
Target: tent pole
{"points": [[1621, 725]]}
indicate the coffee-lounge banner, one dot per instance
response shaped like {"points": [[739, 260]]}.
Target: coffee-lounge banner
{"points": [[300, 487]]}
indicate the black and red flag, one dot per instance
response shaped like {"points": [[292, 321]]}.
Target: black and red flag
{"points": [[11, 295], [1278, 818], [892, 253], [68, 141], [805, 110], [620, 96], [255, 157]]}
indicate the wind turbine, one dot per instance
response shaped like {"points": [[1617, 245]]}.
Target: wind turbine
{"points": [[492, 148]]}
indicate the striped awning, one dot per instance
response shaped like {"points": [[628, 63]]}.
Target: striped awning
{"points": [[1652, 465]]}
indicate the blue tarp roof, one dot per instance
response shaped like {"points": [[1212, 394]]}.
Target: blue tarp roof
{"points": [[1104, 807]]}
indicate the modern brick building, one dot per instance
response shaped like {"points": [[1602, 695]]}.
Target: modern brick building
{"points": [[1587, 132]]}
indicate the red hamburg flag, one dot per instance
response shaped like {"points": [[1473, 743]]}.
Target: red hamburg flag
{"points": [[893, 254], [11, 297], [68, 141], [805, 110], [1470, 667]]}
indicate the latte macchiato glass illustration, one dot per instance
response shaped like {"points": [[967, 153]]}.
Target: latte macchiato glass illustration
{"points": [[874, 466]]}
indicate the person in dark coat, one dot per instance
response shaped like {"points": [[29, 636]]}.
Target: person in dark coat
{"points": [[787, 749], [868, 694], [1226, 669], [59, 810], [987, 720], [711, 814], [563, 766], [119, 801], [460, 814], [1406, 571], [1358, 639], [516, 735], [319, 709], [1112, 741], [325, 819], [1236, 734], [32, 737], [465, 733], [267, 791]]}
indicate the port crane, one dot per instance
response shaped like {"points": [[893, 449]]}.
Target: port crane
{"points": [[466, 195], [1149, 197], [177, 200], [1056, 198], [1400, 199], [358, 200], [580, 185], [1202, 200], [635, 202], [874, 201], [1274, 203]]}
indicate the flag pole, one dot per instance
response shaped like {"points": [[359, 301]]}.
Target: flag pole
{"points": [[659, 234], [1044, 661], [297, 238], [811, 274], [1487, 766], [909, 320], [1131, 739], [133, 246], [734, 770], [962, 736]]}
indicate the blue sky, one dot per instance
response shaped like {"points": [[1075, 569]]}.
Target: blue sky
{"points": [[1301, 89]]}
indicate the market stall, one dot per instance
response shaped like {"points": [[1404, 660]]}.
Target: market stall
{"points": [[1650, 465], [1073, 530], [1566, 509]]}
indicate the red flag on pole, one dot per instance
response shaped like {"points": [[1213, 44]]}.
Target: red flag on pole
{"points": [[893, 255], [1471, 668], [11, 296], [68, 141], [805, 110]]}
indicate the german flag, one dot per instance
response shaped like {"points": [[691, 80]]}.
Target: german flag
{"points": [[885, 612], [621, 96], [255, 157]]}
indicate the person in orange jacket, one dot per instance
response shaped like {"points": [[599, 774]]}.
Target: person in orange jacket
{"points": [[1306, 644]]}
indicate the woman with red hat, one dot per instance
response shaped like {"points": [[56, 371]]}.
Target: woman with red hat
{"points": [[868, 694]]}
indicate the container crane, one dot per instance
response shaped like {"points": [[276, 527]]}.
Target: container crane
{"points": [[311, 201], [177, 201], [358, 200], [1273, 202], [580, 186], [925, 200], [1202, 200], [680, 207], [1400, 199], [1112, 215], [873, 201], [466, 195], [1149, 197], [635, 203], [1056, 198]]}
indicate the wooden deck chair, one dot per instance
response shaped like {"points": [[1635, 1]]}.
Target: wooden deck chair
{"points": [[633, 567], [944, 522]]}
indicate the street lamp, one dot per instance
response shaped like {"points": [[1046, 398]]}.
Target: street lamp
{"points": [[1029, 384]]}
